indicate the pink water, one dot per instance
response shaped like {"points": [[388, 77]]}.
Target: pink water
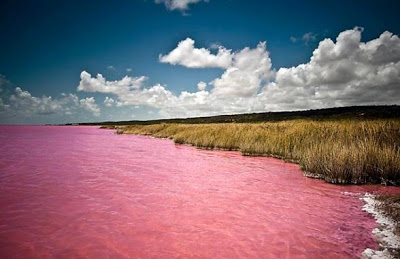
{"points": [[89, 193]]}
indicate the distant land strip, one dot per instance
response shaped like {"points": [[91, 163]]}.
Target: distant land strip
{"points": [[350, 112]]}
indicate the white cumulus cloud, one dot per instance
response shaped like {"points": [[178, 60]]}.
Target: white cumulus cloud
{"points": [[23, 103], [129, 90], [248, 69], [341, 72], [201, 86], [89, 104], [243, 78], [186, 54], [345, 72], [99, 84]]}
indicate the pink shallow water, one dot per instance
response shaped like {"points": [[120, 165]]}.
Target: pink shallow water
{"points": [[89, 193]]}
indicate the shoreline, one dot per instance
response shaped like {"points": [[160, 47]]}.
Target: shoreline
{"points": [[343, 152], [385, 231], [387, 225], [120, 130]]}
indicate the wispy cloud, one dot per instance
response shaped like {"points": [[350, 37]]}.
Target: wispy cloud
{"points": [[181, 5], [108, 102], [307, 38]]}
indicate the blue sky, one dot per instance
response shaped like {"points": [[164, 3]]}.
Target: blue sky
{"points": [[46, 45]]}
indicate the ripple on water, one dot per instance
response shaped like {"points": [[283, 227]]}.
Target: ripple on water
{"points": [[85, 192]]}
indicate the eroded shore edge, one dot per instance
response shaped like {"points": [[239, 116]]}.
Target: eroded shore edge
{"points": [[387, 229]]}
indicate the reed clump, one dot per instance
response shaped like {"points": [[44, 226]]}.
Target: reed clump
{"points": [[342, 151]]}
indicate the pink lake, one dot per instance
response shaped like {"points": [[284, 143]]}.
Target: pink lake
{"points": [[83, 192]]}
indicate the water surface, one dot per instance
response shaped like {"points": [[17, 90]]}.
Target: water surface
{"points": [[89, 193]]}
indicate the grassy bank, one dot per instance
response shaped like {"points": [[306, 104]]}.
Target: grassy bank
{"points": [[341, 151]]}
